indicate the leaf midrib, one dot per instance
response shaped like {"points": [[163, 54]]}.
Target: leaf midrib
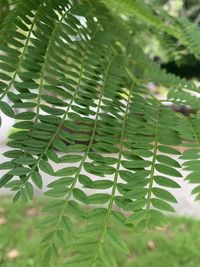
{"points": [[114, 187]]}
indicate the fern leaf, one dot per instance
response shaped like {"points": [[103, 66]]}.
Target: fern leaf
{"points": [[189, 130], [78, 90], [16, 39]]}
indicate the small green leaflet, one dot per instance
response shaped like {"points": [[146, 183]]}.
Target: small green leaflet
{"points": [[18, 171], [168, 161], [80, 195], [167, 170], [37, 179], [163, 194], [57, 192], [166, 182], [46, 167], [6, 109], [62, 182], [161, 204], [99, 198], [68, 171], [5, 179]]}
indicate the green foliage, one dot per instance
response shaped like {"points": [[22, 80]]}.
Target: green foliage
{"points": [[180, 249], [76, 79]]}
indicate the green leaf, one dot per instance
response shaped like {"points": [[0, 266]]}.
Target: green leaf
{"points": [[13, 153], [71, 158], [6, 109], [7, 165], [135, 164], [100, 159], [168, 150], [86, 181], [18, 171], [52, 111], [52, 156], [24, 196], [58, 144], [136, 193], [25, 160], [163, 194], [129, 176], [98, 169], [46, 167], [17, 196], [167, 170], [142, 153], [57, 192], [62, 182], [162, 205], [28, 115], [68, 171], [99, 198], [168, 161], [40, 134], [29, 190], [136, 205], [193, 177], [190, 154], [80, 195], [192, 165], [15, 184], [166, 182], [5, 179], [37, 179]]}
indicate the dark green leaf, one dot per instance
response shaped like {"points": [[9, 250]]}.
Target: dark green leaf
{"points": [[6, 109]]}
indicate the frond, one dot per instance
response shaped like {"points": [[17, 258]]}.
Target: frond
{"points": [[145, 14], [75, 79], [190, 133], [184, 97], [15, 37], [191, 33], [147, 70]]}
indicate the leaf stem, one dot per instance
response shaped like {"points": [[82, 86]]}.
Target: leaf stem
{"points": [[110, 205], [88, 149], [153, 165], [47, 53]]}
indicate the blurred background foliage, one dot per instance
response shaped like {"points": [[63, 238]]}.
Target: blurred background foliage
{"points": [[171, 54]]}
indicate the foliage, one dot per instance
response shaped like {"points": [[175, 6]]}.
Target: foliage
{"points": [[177, 243], [75, 78]]}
